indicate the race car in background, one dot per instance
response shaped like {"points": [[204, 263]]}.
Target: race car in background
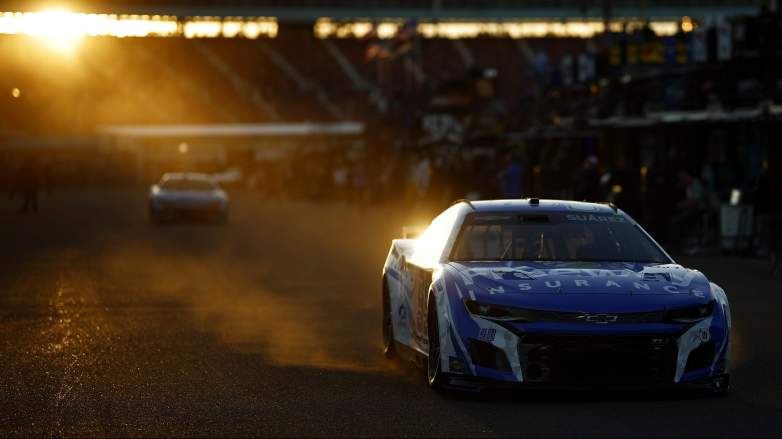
{"points": [[536, 293], [187, 196]]}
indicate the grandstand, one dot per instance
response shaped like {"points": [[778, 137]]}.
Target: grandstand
{"points": [[530, 76], [173, 80], [309, 10], [295, 74]]}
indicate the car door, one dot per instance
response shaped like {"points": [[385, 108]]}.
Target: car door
{"points": [[426, 257]]}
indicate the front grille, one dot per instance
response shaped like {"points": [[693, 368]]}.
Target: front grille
{"points": [[598, 359], [188, 205], [580, 317], [194, 209]]}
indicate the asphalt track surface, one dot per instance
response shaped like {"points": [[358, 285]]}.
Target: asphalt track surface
{"points": [[270, 326]]}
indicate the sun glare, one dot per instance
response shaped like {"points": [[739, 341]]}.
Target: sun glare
{"points": [[57, 28], [63, 29]]}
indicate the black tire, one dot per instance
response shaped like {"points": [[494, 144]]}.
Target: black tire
{"points": [[434, 373], [389, 349]]}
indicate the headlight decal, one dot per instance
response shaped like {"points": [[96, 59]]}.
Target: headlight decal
{"points": [[690, 314], [504, 340], [688, 342], [498, 312], [501, 338]]}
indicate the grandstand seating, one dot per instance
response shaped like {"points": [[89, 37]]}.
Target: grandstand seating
{"points": [[294, 77], [169, 80]]}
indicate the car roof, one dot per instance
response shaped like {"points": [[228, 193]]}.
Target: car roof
{"points": [[187, 176], [531, 205]]}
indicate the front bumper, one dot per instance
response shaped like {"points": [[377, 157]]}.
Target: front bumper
{"points": [[478, 384], [587, 356], [202, 211]]}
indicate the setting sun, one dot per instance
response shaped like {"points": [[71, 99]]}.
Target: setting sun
{"points": [[57, 28]]}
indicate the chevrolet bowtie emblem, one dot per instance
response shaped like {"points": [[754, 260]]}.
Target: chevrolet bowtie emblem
{"points": [[598, 318]]}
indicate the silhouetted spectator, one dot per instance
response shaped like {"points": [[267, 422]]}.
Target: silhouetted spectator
{"points": [[422, 177], [28, 180], [509, 177], [586, 181], [340, 180], [689, 209], [768, 208]]}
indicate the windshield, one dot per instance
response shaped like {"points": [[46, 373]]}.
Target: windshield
{"points": [[186, 184], [554, 237]]}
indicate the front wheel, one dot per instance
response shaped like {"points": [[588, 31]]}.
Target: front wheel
{"points": [[434, 373]]}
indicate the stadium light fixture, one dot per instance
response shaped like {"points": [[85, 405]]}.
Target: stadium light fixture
{"points": [[232, 27], [203, 27], [687, 25]]}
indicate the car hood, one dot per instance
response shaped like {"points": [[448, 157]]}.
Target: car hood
{"points": [[580, 286]]}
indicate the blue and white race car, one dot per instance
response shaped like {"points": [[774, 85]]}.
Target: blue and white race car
{"points": [[525, 293], [187, 195]]}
